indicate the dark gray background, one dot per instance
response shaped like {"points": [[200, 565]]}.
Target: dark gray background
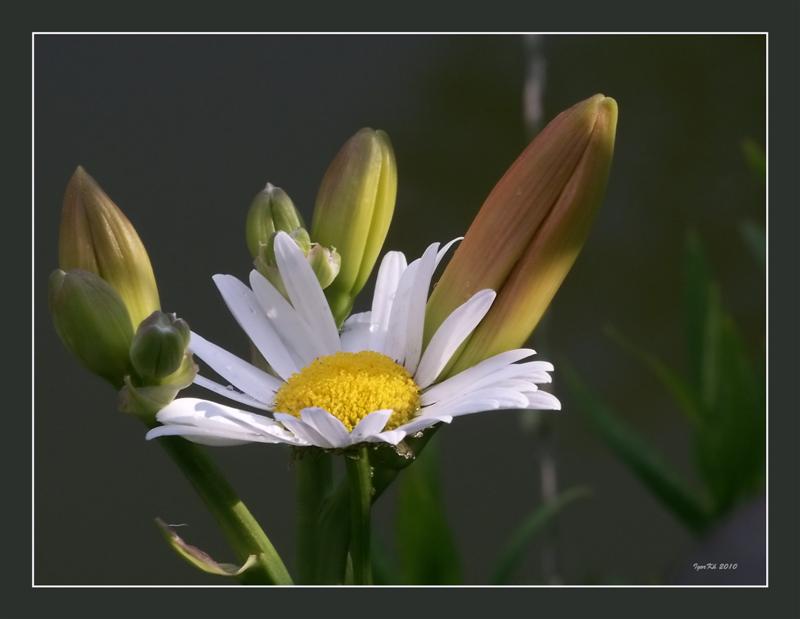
{"points": [[181, 131]]}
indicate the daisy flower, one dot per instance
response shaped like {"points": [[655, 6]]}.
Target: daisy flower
{"points": [[375, 382]]}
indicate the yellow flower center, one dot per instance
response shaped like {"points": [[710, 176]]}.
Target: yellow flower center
{"points": [[350, 385]]}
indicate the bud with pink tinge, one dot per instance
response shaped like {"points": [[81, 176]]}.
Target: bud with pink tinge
{"points": [[530, 230]]}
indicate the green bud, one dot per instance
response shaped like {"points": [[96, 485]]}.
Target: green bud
{"points": [[272, 210], [270, 271], [159, 346], [353, 211], [325, 263], [92, 321], [96, 236], [299, 236]]}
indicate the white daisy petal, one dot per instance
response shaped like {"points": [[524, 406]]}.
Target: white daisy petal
{"points": [[327, 425], [394, 344], [291, 328], [243, 305], [356, 332], [450, 335], [370, 425], [390, 436], [392, 267], [420, 423], [303, 431], [418, 298], [443, 251], [305, 293], [254, 382], [478, 401], [509, 377], [541, 400], [230, 392], [532, 370], [206, 414], [202, 436], [461, 382], [222, 421]]}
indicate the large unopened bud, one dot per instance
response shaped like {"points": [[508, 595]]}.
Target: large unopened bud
{"points": [[353, 211], [92, 321], [530, 230], [96, 236]]}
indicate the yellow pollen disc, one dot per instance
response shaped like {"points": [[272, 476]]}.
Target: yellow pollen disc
{"points": [[350, 385]]}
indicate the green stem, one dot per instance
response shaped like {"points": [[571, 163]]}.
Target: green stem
{"points": [[359, 479], [334, 536], [241, 529], [314, 478]]}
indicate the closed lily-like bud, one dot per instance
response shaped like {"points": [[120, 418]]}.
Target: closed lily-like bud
{"points": [[530, 230], [92, 321], [96, 236], [353, 210], [271, 211], [159, 346]]}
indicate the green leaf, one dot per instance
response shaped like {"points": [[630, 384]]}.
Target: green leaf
{"points": [[426, 549], [641, 458], [755, 237], [675, 384], [755, 157], [536, 522], [730, 444], [200, 559]]}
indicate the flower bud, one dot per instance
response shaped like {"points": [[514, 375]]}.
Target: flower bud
{"points": [[96, 236], [325, 263], [353, 211], [159, 346], [530, 230], [272, 210], [92, 321]]}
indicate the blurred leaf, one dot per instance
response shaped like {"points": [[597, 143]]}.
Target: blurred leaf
{"points": [[641, 458], [710, 350], [697, 288], [755, 157], [536, 522], [730, 444], [676, 385], [426, 548], [755, 238], [384, 571]]}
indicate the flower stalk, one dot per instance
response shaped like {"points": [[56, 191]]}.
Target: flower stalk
{"points": [[314, 479], [359, 477], [239, 526]]}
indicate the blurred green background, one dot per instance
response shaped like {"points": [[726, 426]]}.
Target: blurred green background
{"points": [[181, 131]]}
